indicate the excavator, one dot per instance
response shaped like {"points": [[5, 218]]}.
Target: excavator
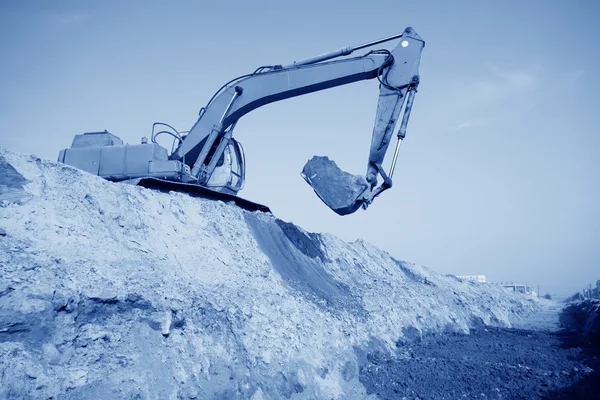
{"points": [[207, 161]]}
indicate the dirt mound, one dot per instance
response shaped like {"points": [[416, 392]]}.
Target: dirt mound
{"points": [[115, 291]]}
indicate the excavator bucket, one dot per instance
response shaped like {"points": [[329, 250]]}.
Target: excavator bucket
{"points": [[341, 191]]}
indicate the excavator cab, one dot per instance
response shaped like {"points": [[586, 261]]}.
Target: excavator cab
{"points": [[230, 173]]}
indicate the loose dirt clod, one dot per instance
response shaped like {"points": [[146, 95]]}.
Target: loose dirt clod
{"points": [[336, 188]]}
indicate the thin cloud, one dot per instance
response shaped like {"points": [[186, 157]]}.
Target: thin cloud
{"points": [[578, 74], [496, 85], [67, 19], [521, 78], [472, 123], [495, 94], [465, 125]]}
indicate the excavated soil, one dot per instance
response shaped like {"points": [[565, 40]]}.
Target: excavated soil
{"points": [[117, 292]]}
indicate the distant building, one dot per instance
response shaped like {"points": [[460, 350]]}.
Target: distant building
{"points": [[474, 278], [592, 292], [519, 288]]}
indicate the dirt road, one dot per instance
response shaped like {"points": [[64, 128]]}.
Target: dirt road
{"points": [[535, 360]]}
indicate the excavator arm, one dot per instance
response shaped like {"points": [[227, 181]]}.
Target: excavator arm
{"points": [[397, 72]]}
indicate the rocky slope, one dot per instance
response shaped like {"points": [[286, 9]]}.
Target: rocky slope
{"points": [[583, 317], [115, 291]]}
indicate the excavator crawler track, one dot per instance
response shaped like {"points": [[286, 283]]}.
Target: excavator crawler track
{"points": [[198, 191]]}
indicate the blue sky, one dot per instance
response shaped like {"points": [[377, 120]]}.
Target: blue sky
{"points": [[500, 170]]}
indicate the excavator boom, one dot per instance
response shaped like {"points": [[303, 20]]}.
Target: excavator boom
{"points": [[397, 72]]}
